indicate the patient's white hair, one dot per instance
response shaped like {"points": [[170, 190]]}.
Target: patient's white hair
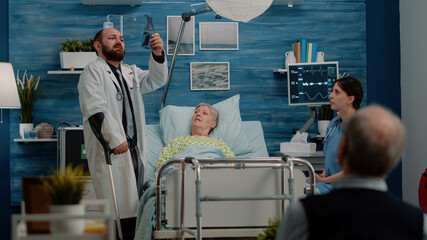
{"points": [[215, 113], [375, 141]]}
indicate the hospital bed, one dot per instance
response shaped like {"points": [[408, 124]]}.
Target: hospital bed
{"points": [[234, 197]]}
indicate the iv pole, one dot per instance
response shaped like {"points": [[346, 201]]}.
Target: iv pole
{"points": [[186, 17], [106, 24]]}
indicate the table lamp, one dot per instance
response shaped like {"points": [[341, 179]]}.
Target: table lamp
{"points": [[8, 91]]}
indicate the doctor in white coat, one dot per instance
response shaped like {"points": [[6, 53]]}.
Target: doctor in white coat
{"points": [[116, 90]]}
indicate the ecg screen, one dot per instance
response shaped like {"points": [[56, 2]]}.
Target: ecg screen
{"points": [[311, 83]]}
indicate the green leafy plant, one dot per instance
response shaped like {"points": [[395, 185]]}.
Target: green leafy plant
{"points": [[66, 187], [269, 233], [325, 112], [28, 91], [77, 46]]}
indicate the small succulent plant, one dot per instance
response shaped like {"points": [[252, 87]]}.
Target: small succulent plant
{"points": [[66, 187]]}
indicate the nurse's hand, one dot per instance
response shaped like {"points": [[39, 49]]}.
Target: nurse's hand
{"points": [[320, 177], [156, 44], [122, 148]]}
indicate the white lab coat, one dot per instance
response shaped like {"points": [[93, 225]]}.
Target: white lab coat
{"points": [[97, 93]]}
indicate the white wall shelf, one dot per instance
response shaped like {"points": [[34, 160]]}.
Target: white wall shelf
{"points": [[19, 228], [27, 140], [280, 70], [64, 72]]}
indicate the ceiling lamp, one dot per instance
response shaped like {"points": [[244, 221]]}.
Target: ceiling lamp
{"points": [[239, 10]]}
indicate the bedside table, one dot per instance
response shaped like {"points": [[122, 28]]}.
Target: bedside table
{"points": [[316, 159]]}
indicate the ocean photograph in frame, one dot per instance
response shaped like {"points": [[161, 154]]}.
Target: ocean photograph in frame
{"points": [[210, 76], [219, 35], [188, 40]]}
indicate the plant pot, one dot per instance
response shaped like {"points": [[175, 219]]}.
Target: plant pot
{"points": [[75, 226], [76, 59], [322, 125], [25, 127]]}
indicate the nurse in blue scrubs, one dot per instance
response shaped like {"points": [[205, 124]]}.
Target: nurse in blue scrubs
{"points": [[345, 98]]}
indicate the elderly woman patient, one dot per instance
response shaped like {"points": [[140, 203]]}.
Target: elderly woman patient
{"points": [[204, 120]]}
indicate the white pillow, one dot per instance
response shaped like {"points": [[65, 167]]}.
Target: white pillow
{"points": [[175, 121]]}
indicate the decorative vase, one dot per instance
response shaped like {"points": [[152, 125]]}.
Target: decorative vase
{"points": [[322, 125], [25, 127], [74, 226], [44, 130]]}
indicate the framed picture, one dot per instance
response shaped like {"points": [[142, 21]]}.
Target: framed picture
{"points": [[219, 35], [210, 75], [187, 41]]}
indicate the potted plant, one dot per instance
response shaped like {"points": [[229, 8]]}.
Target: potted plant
{"points": [[269, 233], [76, 54], [28, 91], [325, 117], [65, 190]]}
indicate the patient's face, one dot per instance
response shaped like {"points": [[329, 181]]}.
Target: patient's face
{"points": [[202, 118]]}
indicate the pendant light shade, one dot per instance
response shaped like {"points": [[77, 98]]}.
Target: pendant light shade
{"points": [[239, 10]]}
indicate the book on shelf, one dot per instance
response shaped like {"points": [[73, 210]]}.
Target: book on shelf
{"points": [[314, 52], [303, 50], [309, 51], [296, 47]]}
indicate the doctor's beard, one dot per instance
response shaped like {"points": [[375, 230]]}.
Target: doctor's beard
{"points": [[113, 55]]}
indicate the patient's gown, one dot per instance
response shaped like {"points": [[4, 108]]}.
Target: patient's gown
{"points": [[330, 148], [179, 144]]}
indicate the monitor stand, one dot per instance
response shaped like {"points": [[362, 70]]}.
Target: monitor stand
{"points": [[310, 121]]}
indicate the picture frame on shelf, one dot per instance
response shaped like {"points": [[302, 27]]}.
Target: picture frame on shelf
{"points": [[210, 76]]}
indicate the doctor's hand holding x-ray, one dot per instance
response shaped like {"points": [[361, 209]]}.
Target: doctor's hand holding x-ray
{"points": [[115, 89]]}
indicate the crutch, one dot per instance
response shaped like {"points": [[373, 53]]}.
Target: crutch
{"points": [[95, 122]]}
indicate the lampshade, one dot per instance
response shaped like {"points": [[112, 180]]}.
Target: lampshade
{"points": [[8, 91], [239, 10]]}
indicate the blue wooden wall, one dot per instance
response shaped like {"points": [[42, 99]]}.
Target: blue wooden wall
{"points": [[36, 28]]}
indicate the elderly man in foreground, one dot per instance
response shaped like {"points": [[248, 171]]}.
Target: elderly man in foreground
{"points": [[359, 206]]}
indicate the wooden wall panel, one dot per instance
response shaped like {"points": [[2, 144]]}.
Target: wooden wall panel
{"points": [[37, 27]]}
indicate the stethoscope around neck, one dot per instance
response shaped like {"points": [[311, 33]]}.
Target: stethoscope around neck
{"points": [[119, 95], [331, 130]]}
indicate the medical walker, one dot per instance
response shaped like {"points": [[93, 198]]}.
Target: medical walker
{"points": [[237, 163]]}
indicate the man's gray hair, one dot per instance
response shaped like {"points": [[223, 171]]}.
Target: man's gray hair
{"points": [[215, 113], [375, 141]]}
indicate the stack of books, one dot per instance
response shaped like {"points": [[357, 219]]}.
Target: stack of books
{"points": [[305, 52]]}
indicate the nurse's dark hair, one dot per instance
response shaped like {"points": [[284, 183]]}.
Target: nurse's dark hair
{"points": [[352, 87]]}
